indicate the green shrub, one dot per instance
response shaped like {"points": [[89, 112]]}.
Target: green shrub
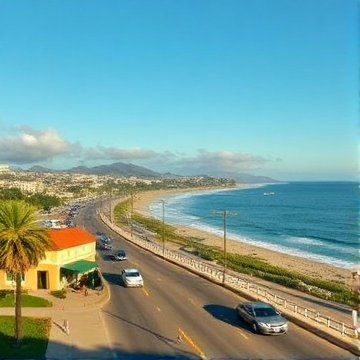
{"points": [[60, 294]]}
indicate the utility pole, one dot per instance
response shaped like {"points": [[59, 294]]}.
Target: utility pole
{"points": [[131, 215], [225, 214], [163, 227], [101, 203], [110, 204]]}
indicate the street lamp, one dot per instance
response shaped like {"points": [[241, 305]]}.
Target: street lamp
{"points": [[163, 227], [110, 205], [224, 214], [132, 199], [100, 203], [225, 253], [131, 215]]}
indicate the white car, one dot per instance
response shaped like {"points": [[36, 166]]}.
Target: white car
{"points": [[132, 278]]}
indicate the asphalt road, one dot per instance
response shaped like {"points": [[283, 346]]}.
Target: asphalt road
{"points": [[179, 313]]}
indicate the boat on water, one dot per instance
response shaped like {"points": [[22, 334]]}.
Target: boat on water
{"points": [[268, 193]]}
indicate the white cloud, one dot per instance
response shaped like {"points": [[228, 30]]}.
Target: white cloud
{"points": [[206, 162], [27, 146], [117, 154]]}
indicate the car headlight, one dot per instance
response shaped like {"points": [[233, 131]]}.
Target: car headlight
{"points": [[262, 324]]}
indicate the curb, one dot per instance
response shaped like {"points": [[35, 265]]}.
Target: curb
{"points": [[104, 294]]}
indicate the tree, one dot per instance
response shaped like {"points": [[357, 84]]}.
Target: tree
{"points": [[45, 201], [11, 193], [23, 243]]}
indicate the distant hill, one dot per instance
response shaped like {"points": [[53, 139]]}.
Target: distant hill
{"points": [[117, 169], [253, 179], [38, 169], [128, 170]]}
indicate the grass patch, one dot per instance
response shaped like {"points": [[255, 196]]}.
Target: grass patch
{"points": [[330, 290], [7, 300], [35, 335], [60, 294]]}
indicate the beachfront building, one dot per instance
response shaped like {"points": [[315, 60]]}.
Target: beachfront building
{"points": [[72, 256]]}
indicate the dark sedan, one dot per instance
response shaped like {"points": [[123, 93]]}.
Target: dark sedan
{"points": [[118, 255], [262, 317]]}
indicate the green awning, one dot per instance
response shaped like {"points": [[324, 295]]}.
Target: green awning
{"points": [[81, 266]]}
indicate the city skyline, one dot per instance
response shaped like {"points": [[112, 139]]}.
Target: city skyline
{"points": [[268, 88]]}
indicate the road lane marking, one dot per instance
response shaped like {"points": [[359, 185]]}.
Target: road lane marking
{"points": [[183, 335], [192, 301], [145, 291], [243, 335]]}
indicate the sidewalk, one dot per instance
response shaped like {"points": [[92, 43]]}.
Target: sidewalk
{"points": [[86, 338]]}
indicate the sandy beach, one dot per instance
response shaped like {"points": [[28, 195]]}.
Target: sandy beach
{"points": [[290, 262]]}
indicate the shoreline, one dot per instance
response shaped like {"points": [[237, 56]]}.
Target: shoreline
{"points": [[289, 262]]}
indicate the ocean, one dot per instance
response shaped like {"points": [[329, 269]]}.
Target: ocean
{"points": [[313, 220]]}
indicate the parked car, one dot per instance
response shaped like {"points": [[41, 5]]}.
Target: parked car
{"points": [[118, 255], [262, 317], [105, 239], [106, 246], [132, 278]]}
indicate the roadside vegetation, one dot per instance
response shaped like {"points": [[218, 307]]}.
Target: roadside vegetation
{"points": [[34, 341], [333, 291], [7, 299], [39, 201], [35, 331], [23, 244]]}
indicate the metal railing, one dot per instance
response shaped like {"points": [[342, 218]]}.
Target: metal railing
{"points": [[237, 283]]}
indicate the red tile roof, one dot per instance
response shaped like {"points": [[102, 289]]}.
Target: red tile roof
{"points": [[70, 237]]}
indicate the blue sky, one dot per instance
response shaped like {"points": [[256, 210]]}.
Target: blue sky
{"points": [[263, 87]]}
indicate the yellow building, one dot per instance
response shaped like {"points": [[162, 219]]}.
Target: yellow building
{"points": [[70, 259]]}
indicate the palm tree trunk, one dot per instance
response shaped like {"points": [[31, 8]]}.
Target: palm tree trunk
{"points": [[18, 333]]}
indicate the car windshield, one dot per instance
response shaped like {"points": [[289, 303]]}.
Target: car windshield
{"points": [[265, 312], [132, 274]]}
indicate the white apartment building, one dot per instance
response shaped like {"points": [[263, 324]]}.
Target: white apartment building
{"points": [[29, 186]]}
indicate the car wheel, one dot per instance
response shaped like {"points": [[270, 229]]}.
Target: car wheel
{"points": [[255, 328]]}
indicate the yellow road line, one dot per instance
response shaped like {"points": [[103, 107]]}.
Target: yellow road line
{"points": [[192, 301], [183, 335], [243, 335], [145, 291]]}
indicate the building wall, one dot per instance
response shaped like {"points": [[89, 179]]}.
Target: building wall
{"points": [[50, 268]]}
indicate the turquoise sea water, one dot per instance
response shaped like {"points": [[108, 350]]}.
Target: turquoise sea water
{"points": [[315, 220]]}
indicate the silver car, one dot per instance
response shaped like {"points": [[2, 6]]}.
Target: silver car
{"points": [[262, 317], [132, 278]]}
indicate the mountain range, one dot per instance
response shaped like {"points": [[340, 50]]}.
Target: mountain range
{"points": [[128, 170]]}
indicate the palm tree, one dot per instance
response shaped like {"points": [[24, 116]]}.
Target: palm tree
{"points": [[23, 243]]}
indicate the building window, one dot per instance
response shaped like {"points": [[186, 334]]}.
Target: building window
{"points": [[11, 277]]}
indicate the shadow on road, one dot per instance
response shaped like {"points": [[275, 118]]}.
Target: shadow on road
{"points": [[111, 278], [226, 314]]}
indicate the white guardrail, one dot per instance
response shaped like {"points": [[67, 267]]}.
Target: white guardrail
{"points": [[237, 283]]}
